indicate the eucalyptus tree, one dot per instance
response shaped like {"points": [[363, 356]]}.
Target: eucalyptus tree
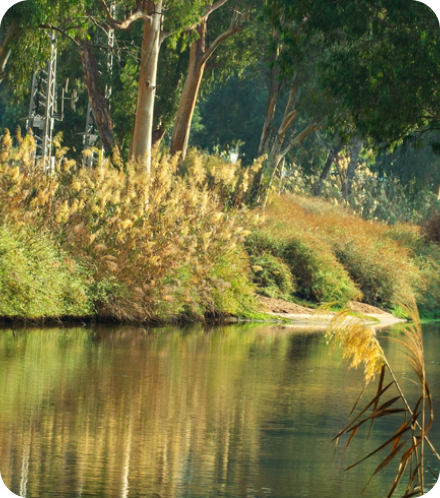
{"points": [[292, 75], [384, 64], [226, 23], [22, 41], [162, 20], [12, 31]]}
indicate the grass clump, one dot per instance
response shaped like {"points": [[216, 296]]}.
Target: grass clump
{"points": [[272, 276], [38, 280], [322, 278], [378, 268]]}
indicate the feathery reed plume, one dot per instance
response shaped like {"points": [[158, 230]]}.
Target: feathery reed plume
{"points": [[358, 342], [130, 228], [360, 345]]}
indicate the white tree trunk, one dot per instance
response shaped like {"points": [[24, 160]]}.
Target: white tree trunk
{"points": [[6, 47], [141, 143]]}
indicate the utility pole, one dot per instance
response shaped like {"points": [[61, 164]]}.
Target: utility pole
{"points": [[43, 109]]}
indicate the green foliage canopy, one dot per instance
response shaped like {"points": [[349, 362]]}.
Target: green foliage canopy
{"points": [[384, 62]]}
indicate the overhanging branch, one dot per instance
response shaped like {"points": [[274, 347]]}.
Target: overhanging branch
{"points": [[209, 10], [124, 25], [310, 128], [59, 30], [230, 32]]}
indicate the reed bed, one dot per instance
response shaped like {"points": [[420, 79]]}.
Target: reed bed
{"points": [[157, 246]]}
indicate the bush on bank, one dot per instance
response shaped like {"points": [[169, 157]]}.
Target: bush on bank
{"points": [[37, 279], [314, 269]]}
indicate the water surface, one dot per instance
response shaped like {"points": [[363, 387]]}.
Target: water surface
{"points": [[238, 411]]}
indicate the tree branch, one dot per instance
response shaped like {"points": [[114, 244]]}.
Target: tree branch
{"points": [[230, 32], [310, 128], [212, 8], [124, 25], [55, 28], [287, 121], [208, 11]]}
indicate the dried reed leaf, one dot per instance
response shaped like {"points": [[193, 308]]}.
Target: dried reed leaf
{"points": [[379, 389], [382, 446], [345, 429]]}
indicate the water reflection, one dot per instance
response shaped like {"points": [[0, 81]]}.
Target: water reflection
{"points": [[238, 411]]}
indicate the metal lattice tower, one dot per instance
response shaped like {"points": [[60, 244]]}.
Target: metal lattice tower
{"points": [[43, 109]]}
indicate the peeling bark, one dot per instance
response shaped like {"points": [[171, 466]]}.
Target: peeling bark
{"points": [[100, 108]]}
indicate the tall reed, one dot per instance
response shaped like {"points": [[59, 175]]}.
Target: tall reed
{"points": [[157, 246], [410, 440]]}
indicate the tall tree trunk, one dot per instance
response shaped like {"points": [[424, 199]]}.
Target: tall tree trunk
{"points": [[6, 48], [274, 92], [100, 108], [199, 55], [352, 165], [334, 151], [141, 142], [436, 189], [185, 112]]}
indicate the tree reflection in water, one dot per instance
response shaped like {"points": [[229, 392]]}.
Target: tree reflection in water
{"points": [[126, 412]]}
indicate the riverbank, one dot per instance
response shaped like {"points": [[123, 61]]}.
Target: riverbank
{"points": [[186, 244], [301, 316]]}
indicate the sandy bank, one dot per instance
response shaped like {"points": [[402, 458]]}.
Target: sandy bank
{"points": [[302, 316]]}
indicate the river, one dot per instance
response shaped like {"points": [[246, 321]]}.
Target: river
{"points": [[234, 411]]}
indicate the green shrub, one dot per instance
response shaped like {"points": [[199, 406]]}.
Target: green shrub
{"points": [[272, 276], [37, 280], [319, 275], [229, 289], [428, 260], [375, 268], [432, 228], [316, 272]]}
